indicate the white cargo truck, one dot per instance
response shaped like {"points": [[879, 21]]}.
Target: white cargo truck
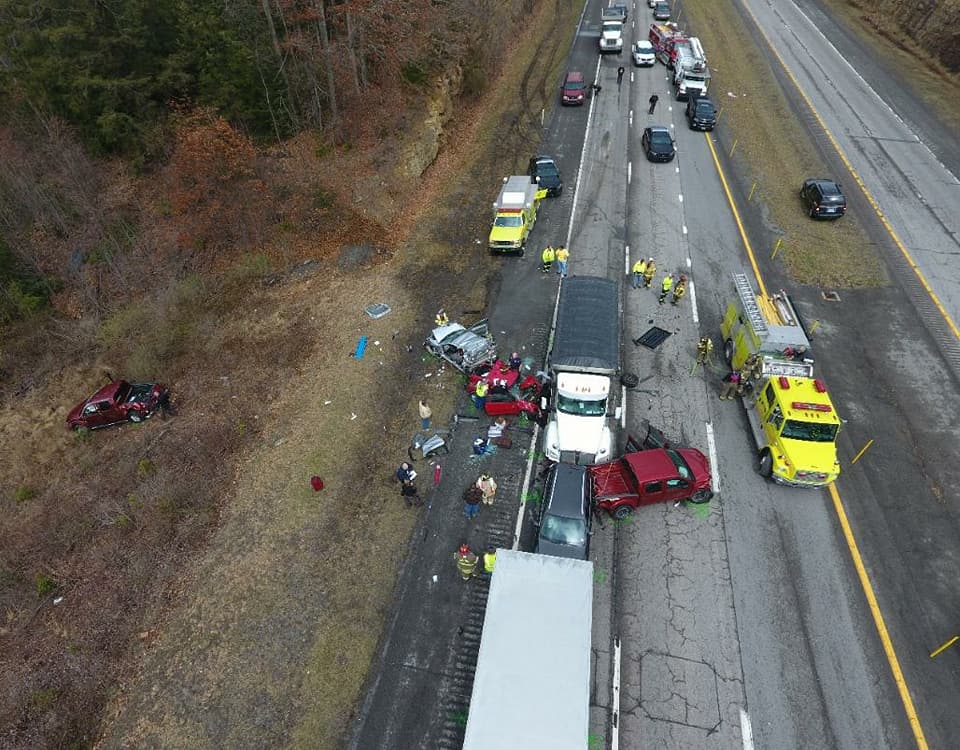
{"points": [[522, 698], [583, 364], [611, 31]]}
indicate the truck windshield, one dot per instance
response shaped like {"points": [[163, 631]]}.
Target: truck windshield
{"points": [[576, 406], [811, 431], [512, 220], [561, 530]]}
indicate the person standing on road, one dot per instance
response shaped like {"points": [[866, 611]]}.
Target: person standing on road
{"points": [[563, 255], [546, 259], [653, 103], [731, 384], [638, 268], [480, 394], [425, 414], [488, 487], [704, 349], [665, 286], [649, 272], [466, 562], [472, 497], [679, 289], [620, 72]]}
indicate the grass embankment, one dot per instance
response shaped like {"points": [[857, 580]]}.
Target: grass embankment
{"points": [[279, 625], [774, 152]]}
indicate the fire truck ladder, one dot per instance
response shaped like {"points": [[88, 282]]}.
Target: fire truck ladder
{"points": [[749, 301]]}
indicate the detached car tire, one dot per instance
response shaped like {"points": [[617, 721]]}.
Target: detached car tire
{"points": [[629, 380]]}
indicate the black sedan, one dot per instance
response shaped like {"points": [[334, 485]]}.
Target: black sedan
{"points": [[545, 171], [658, 144]]}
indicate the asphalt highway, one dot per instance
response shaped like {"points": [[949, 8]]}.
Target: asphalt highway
{"points": [[744, 622]]}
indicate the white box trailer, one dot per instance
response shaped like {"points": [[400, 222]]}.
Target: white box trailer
{"points": [[531, 690]]}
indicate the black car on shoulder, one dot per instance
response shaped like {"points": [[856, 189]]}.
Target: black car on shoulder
{"points": [[823, 199], [701, 114], [658, 144], [544, 170]]}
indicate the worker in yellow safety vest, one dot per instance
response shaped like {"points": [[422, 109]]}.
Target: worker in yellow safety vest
{"points": [[679, 289], [638, 268], [546, 259], [665, 287], [648, 272]]}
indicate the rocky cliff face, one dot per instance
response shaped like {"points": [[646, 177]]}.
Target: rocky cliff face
{"points": [[933, 24]]}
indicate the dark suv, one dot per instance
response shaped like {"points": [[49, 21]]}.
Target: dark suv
{"points": [[544, 170], [565, 515], [701, 114], [823, 199]]}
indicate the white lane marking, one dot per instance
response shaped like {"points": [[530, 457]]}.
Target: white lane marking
{"points": [[615, 708], [629, 172], [746, 730], [680, 197], [689, 262], [583, 151], [693, 302], [684, 230], [626, 259], [631, 76], [623, 408], [712, 451], [677, 170], [526, 485], [631, 118]]}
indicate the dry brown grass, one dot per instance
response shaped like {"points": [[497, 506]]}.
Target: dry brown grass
{"points": [[209, 595], [775, 152]]}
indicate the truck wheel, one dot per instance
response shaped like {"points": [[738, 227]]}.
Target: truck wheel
{"points": [[523, 249], [135, 417], [622, 512], [728, 351], [701, 496], [630, 380], [766, 464]]}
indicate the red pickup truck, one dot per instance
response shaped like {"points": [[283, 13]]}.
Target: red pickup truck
{"points": [[119, 401], [647, 475]]}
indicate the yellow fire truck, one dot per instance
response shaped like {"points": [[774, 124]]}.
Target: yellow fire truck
{"points": [[790, 412]]}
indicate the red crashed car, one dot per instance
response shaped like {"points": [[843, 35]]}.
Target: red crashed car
{"points": [[507, 393], [119, 401]]}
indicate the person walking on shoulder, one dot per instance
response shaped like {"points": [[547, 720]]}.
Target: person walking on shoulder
{"points": [[425, 414], [480, 394], [563, 255], [620, 72], [649, 272], [466, 562], [679, 290], [638, 268], [653, 103], [472, 497], [731, 384], [489, 560], [488, 487], [546, 259]]}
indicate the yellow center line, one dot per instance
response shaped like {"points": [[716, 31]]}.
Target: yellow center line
{"points": [[879, 621], [865, 584], [863, 188]]}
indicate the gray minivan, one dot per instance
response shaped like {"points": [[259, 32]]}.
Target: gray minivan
{"points": [[565, 521]]}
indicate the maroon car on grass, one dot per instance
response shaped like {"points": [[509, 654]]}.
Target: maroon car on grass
{"points": [[119, 401]]}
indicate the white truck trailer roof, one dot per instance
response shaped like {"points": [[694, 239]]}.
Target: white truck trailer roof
{"points": [[531, 690]]}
